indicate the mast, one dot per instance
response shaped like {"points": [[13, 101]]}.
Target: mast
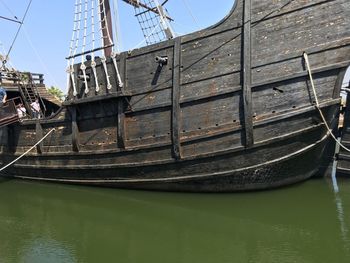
{"points": [[106, 25]]}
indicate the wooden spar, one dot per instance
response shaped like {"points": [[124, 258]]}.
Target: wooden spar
{"points": [[10, 19], [154, 10], [106, 25]]}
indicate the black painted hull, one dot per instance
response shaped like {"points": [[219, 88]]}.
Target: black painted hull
{"points": [[281, 162], [290, 169]]}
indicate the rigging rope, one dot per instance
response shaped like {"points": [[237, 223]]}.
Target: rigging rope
{"points": [[146, 38], [191, 13], [149, 22], [84, 40], [82, 65], [103, 58], [2, 52], [168, 31], [15, 38], [31, 148], [306, 58], [116, 52], [43, 64], [93, 62], [117, 30], [73, 46], [105, 23], [8, 9]]}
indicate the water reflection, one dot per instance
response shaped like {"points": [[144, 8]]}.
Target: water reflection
{"points": [[46, 250], [57, 223]]}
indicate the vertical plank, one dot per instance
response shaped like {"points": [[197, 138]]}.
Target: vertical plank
{"points": [[175, 116], [121, 103], [38, 136], [75, 129], [11, 145], [247, 78]]}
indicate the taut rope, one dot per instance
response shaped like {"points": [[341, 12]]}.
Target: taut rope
{"points": [[306, 58], [31, 148]]}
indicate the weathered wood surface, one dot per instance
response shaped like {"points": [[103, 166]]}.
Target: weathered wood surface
{"points": [[231, 97]]}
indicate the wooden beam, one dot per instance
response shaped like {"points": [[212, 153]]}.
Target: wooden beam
{"points": [[247, 78], [136, 3], [75, 129], [38, 136], [176, 111], [10, 19]]}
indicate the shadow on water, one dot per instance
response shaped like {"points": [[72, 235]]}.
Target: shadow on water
{"points": [[59, 223]]}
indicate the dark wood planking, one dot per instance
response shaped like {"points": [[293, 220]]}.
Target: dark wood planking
{"points": [[287, 69], [208, 113], [263, 10], [299, 31], [126, 163], [292, 94], [209, 57], [144, 69]]}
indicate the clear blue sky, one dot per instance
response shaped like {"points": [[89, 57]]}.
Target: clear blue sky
{"points": [[43, 42]]}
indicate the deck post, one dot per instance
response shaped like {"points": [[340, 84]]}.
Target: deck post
{"points": [[120, 104], [175, 117], [246, 75], [41, 79]]}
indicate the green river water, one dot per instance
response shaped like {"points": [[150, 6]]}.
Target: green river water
{"points": [[307, 222]]}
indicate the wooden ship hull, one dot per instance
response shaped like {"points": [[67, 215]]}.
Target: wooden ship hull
{"points": [[231, 108]]}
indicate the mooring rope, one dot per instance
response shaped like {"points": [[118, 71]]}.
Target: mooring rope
{"points": [[306, 58], [31, 148]]}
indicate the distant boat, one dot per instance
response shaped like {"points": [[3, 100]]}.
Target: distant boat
{"points": [[227, 108]]}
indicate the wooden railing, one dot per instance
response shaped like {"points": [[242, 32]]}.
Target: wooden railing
{"points": [[14, 77], [8, 111], [38, 78]]}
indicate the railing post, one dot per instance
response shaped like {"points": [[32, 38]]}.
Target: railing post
{"points": [[41, 78]]}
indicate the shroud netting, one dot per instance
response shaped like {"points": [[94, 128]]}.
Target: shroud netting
{"points": [[153, 24]]}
